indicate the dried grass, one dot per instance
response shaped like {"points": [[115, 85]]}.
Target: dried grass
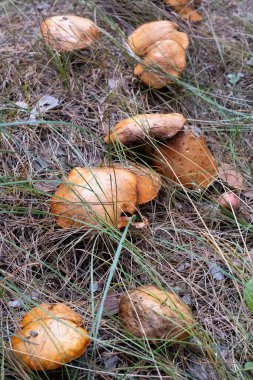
{"points": [[40, 262]]}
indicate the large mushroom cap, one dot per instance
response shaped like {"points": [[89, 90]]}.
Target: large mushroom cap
{"points": [[50, 337], [148, 34], [68, 32], [159, 126], [44, 311], [90, 197], [187, 160], [167, 55], [155, 314]]}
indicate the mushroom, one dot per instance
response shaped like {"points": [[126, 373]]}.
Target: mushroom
{"points": [[90, 197], [50, 335], [186, 9], [139, 126], [149, 33], [163, 48], [187, 160], [155, 314], [229, 201], [167, 56], [68, 32]]}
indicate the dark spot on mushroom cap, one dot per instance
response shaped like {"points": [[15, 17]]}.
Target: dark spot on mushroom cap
{"points": [[64, 18]]}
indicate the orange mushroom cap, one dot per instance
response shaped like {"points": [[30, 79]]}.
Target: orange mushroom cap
{"points": [[68, 32], [90, 197], [189, 14], [186, 159], [148, 181], [186, 9], [149, 33], [50, 337], [155, 314], [159, 126], [167, 55], [45, 311]]}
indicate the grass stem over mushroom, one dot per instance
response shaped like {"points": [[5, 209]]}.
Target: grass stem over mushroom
{"points": [[68, 32], [91, 197]]}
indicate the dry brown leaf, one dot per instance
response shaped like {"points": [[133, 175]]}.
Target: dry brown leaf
{"points": [[248, 194], [231, 176], [111, 304]]}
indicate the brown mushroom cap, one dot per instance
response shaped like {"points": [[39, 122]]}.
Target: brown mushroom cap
{"points": [[167, 55], [187, 160], [68, 32], [159, 126], [90, 196], [155, 314], [47, 341], [149, 33]]}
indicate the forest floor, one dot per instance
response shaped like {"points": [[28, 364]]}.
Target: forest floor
{"points": [[191, 246]]}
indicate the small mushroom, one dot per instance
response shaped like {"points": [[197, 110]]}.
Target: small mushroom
{"points": [[149, 33], [68, 32], [93, 196], [50, 336], [229, 201], [186, 9], [138, 127], [163, 48], [187, 160], [155, 314], [166, 55]]}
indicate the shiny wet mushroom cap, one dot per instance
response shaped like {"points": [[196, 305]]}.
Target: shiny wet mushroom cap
{"points": [[138, 127], [91, 197], [154, 314], [187, 160], [50, 336], [68, 32], [149, 33]]}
